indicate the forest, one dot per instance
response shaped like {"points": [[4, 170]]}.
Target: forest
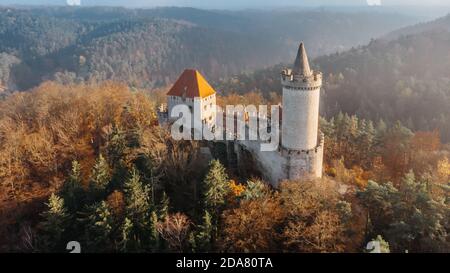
{"points": [[89, 162], [151, 47]]}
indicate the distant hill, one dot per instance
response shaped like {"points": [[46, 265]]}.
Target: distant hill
{"points": [[404, 79], [442, 23], [150, 47]]}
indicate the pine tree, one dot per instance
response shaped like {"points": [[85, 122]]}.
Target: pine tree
{"points": [[132, 128], [163, 210], [353, 127], [204, 235], [137, 198], [215, 186], [138, 210], [120, 174], [192, 242], [154, 235], [116, 146], [381, 130], [366, 142], [254, 189], [409, 216], [370, 133], [72, 191], [98, 227], [100, 179], [127, 241], [56, 220], [418, 220], [377, 198]]}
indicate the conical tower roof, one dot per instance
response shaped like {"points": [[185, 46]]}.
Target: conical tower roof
{"points": [[301, 65]]}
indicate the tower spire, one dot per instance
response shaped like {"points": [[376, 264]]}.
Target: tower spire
{"points": [[301, 65]]}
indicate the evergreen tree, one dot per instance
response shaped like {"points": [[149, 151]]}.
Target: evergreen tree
{"points": [[192, 242], [72, 191], [339, 120], [204, 235], [409, 216], [132, 128], [366, 142], [381, 130], [127, 241], [137, 198], [354, 127], [215, 186], [120, 174], [378, 201], [327, 127], [116, 146], [144, 164], [100, 179], [98, 227], [138, 209], [163, 210], [56, 220], [254, 189], [418, 220], [154, 235]]}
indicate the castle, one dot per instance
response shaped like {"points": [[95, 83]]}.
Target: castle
{"points": [[300, 152]]}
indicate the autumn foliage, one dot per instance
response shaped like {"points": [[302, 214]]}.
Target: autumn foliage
{"points": [[90, 161], [43, 131]]}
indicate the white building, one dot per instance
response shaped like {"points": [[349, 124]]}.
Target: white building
{"points": [[193, 90]]}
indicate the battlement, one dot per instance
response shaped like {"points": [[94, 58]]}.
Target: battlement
{"points": [[299, 82]]}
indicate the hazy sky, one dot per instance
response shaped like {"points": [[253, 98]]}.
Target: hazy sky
{"points": [[228, 3]]}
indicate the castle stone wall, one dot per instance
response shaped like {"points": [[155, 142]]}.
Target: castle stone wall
{"points": [[285, 164], [271, 163], [304, 165]]}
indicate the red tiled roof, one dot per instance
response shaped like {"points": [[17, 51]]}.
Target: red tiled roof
{"points": [[191, 84]]}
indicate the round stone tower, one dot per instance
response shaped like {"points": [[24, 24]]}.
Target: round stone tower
{"points": [[301, 96]]}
